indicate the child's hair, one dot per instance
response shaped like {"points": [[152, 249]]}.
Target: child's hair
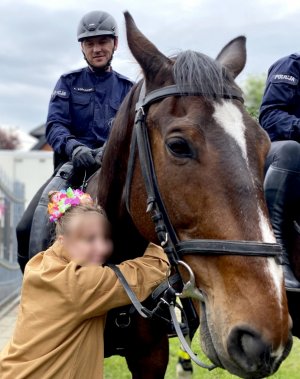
{"points": [[62, 223], [63, 205]]}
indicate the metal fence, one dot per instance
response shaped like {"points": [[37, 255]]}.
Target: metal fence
{"points": [[11, 209]]}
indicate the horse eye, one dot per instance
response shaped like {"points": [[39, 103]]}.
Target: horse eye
{"points": [[179, 147]]}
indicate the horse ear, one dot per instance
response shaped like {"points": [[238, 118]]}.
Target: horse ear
{"points": [[148, 56], [233, 55]]}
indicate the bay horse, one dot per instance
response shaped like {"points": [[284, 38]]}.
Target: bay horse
{"points": [[208, 155]]}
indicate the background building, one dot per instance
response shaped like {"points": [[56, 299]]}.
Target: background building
{"points": [[22, 172], [39, 134]]}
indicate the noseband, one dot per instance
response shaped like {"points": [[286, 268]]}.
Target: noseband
{"points": [[174, 248]]}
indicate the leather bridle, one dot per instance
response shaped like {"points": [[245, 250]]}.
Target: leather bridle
{"points": [[174, 248]]}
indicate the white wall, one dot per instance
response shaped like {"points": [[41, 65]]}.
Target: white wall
{"points": [[32, 168]]}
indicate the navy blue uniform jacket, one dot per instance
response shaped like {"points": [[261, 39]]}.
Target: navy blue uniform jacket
{"points": [[280, 109], [82, 108]]}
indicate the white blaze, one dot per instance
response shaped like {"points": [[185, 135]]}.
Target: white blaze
{"points": [[230, 118], [266, 231], [268, 236]]}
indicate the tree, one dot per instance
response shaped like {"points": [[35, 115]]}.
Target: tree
{"points": [[253, 88], [8, 140]]}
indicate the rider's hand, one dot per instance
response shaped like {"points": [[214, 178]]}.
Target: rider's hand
{"points": [[98, 154], [82, 157]]}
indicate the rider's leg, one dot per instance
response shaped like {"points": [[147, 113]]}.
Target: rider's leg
{"points": [[40, 236], [24, 227], [282, 191]]}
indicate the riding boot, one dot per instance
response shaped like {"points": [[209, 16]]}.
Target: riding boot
{"points": [[282, 192], [42, 231]]}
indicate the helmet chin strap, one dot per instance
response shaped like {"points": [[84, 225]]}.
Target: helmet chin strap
{"points": [[99, 70]]}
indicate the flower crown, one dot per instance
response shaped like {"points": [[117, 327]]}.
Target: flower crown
{"points": [[61, 201]]}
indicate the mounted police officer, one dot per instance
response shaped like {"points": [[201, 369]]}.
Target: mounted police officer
{"points": [[280, 117], [81, 110]]}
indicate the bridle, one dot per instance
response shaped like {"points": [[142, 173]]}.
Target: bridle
{"points": [[174, 248]]}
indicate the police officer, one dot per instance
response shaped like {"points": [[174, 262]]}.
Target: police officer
{"points": [[280, 117], [85, 101], [81, 110]]}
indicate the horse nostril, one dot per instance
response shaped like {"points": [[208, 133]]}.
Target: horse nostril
{"points": [[248, 350]]}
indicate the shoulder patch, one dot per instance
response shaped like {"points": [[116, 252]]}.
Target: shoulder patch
{"points": [[284, 78], [60, 93]]}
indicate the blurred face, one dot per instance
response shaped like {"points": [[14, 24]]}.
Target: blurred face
{"points": [[87, 239], [98, 51]]}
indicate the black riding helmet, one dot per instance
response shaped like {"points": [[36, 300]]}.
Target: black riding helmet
{"points": [[94, 24]]}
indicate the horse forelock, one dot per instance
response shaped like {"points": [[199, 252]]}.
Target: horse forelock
{"points": [[202, 74]]}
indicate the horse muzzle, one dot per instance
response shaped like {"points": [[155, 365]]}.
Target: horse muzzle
{"points": [[245, 353], [254, 357]]}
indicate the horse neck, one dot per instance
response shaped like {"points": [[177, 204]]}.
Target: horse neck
{"points": [[128, 242]]}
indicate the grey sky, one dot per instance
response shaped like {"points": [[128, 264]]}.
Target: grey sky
{"points": [[38, 40]]}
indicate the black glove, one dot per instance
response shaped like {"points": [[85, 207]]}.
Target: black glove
{"points": [[98, 154], [82, 157]]}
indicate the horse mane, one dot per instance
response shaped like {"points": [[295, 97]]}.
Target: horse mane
{"points": [[114, 165], [128, 243], [202, 74]]}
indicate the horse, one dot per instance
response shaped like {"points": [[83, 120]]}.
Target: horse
{"points": [[208, 157]]}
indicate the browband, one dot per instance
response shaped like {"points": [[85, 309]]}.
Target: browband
{"points": [[173, 90]]}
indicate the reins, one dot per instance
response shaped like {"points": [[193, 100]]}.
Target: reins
{"points": [[174, 248]]}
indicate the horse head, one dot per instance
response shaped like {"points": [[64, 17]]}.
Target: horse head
{"points": [[209, 156]]}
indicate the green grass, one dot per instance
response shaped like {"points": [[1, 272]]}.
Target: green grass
{"points": [[115, 367]]}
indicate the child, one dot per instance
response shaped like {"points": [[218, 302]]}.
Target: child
{"points": [[66, 294]]}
